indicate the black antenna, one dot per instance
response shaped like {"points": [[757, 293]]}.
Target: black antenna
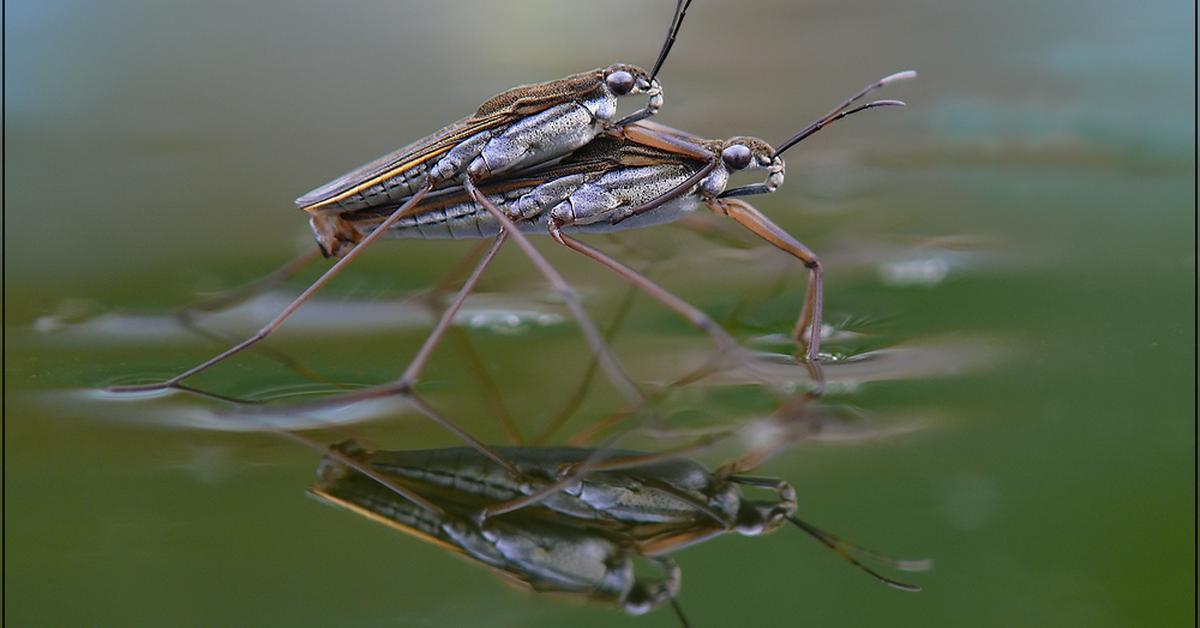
{"points": [[845, 548], [843, 109], [681, 8]]}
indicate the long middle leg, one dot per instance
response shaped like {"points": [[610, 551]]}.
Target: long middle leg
{"points": [[403, 387]]}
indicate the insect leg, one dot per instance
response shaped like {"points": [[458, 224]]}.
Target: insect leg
{"points": [[665, 138], [282, 274], [292, 307], [573, 402], [349, 460], [810, 316], [286, 360], [675, 606], [648, 593], [404, 385], [462, 342], [491, 393], [848, 550], [409, 378], [256, 287], [187, 316], [726, 345], [656, 99], [697, 318], [662, 129], [434, 298], [677, 143], [595, 341]]}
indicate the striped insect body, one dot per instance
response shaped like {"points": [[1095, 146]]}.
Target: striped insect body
{"points": [[585, 539], [517, 129], [543, 554]]}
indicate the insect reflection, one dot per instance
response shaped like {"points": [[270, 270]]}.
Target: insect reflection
{"points": [[586, 540]]}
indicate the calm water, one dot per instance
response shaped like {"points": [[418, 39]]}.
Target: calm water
{"points": [[1011, 276]]}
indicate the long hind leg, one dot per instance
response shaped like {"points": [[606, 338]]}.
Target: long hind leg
{"points": [[274, 324], [403, 386], [591, 333]]}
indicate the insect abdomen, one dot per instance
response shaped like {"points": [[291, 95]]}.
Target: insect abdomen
{"points": [[461, 221], [394, 189]]}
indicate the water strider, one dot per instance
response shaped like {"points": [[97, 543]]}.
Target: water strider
{"points": [[586, 540], [515, 129], [638, 174], [611, 184], [543, 553], [654, 175]]}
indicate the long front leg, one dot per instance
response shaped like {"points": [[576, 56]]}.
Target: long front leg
{"points": [[810, 316], [679, 144], [292, 307]]}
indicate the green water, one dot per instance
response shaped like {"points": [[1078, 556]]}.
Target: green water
{"points": [[1010, 262]]}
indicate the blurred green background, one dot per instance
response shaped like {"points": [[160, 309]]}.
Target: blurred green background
{"points": [[1017, 245]]}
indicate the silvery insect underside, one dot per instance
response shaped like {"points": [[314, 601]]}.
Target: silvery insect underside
{"points": [[596, 189]]}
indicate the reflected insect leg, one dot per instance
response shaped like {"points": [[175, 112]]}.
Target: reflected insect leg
{"points": [[188, 316], [403, 385], [364, 469], [576, 398], [282, 358], [466, 348], [675, 606], [258, 286], [490, 391]]}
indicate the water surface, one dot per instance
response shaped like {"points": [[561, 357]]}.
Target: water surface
{"points": [[1011, 276]]}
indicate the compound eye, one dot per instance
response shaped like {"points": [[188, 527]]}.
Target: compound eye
{"points": [[736, 157], [620, 82]]}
